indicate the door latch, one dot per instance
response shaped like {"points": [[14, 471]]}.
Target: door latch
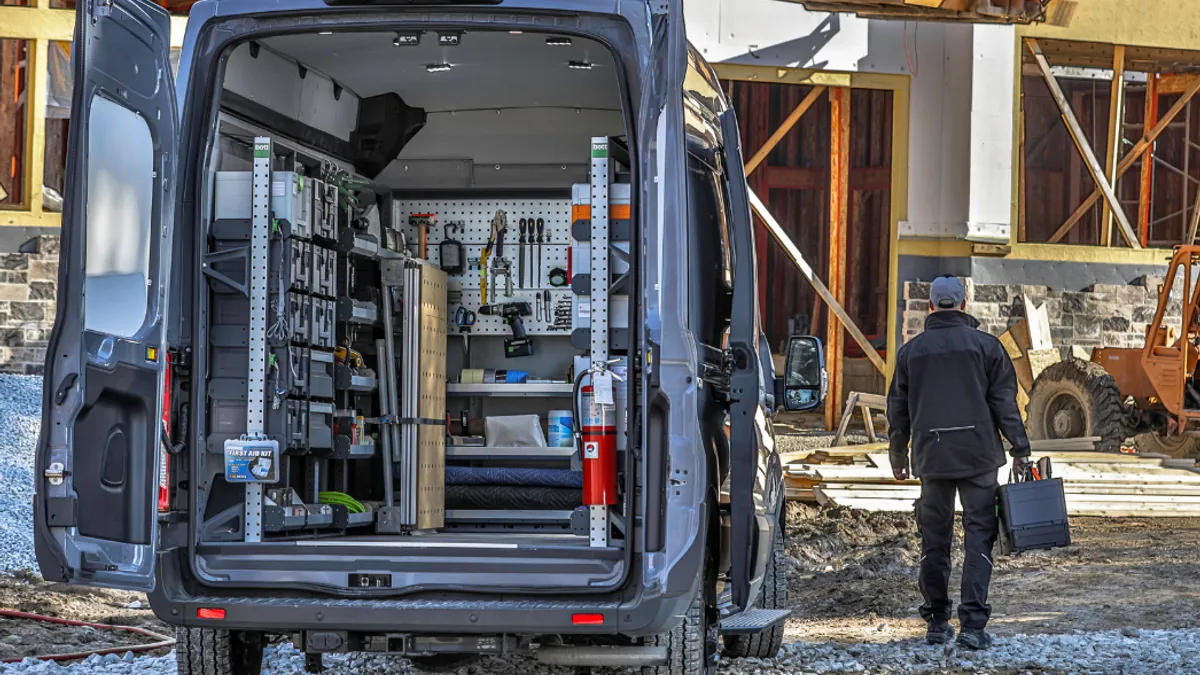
{"points": [[101, 8], [56, 473]]}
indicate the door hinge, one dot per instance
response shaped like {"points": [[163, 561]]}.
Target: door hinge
{"points": [[56, 473], [101, 9], [660, 6]]}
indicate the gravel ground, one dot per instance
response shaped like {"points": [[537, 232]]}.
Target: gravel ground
{"points": [[851, 581], [1128, 652], [20, 419]]}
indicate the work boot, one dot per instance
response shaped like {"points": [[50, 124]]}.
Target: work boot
{"points": [[977, 640], [939, 633]]}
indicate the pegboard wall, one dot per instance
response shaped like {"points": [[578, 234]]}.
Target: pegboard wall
{"points": [[469, 221]]}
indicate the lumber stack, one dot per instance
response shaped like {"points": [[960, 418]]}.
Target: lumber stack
{"points": [[1096, 484]]}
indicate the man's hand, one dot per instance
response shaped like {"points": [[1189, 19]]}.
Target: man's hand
{"points": [[1020, 465], [900, 472]]}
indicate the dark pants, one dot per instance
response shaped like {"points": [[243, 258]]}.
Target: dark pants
{"points": [[935, 517]]}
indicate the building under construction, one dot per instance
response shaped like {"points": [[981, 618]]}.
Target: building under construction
{"points": [[1038, 147]]}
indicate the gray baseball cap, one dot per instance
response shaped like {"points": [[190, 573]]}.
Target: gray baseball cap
{"points": [[946, 293]]}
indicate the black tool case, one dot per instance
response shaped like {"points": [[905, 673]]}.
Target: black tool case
{"points": [[1033, 516]]}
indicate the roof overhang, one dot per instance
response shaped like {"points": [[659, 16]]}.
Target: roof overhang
{"points": [[1056, 12]]}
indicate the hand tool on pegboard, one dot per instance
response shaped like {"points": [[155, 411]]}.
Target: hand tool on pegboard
{"points": [[495, 242], [450, 251], [524, 226], [423, 222], [537, 269]]}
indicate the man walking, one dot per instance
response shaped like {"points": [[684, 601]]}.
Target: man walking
{"points": [[953, 392]]}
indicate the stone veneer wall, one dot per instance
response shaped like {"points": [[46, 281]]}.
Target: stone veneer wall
{"points": [[28, 298], [1101, 316]]}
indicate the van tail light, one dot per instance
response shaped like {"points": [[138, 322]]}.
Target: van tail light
{"points": [[164, 458], [587, 619], [211, 613]]}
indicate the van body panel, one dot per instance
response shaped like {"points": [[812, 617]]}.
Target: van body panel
{"points": [[98, 453], [649, 590]]}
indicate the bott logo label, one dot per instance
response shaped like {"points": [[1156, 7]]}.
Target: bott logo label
{"points": [[591, 450], [262, 149], [599, 150]]}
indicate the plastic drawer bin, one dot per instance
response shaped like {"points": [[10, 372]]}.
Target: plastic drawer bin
{"points": [[1033, 516]]}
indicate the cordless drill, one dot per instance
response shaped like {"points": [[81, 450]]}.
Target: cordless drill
{"points": [[519, 344]]}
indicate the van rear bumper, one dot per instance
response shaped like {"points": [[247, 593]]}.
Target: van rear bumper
{"points": [[529, 615]]}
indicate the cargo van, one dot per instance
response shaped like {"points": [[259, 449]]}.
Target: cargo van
{"points": [[422, 328]]}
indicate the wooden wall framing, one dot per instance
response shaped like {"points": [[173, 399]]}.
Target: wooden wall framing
{"points": [[1062, 193], [40, 23]]}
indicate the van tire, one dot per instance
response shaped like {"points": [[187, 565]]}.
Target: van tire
{"points": [[206, 651], [693, 647], [773, 595]]}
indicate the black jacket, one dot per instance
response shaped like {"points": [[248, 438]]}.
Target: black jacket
{"points": [[953, 389]]}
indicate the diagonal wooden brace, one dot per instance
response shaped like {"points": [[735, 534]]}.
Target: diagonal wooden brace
{"points": [[761, 155], [1127, 162], [801, 264], [1089, 158]]}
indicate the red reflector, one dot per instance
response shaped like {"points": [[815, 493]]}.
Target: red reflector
{"points": [[164, 460], [587, 619], [211, 613]]}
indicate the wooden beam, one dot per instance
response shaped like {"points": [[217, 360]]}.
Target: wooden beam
{"points": [[1081, 142], [1022, 172], [1146, 185], [1190, 237], [789, 247], [1175, 84], [794, 178], [760, 156], [1116, 118], [839, 216], [1130, 159]]}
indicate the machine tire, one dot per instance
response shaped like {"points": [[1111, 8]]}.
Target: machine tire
{"points": [[1179, 447], [206, 651], [1077, 399], [693, 647], [774, 595]]}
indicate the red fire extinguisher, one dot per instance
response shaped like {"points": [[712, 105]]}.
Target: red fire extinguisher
{"points": [[599, 439]]}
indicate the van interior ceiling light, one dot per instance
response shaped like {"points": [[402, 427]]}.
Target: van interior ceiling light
{"points": [[438, 67], [580, 65], [558, 42]]}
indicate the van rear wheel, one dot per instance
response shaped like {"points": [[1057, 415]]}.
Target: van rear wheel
{"points": [[205, 651], [693, 648]]}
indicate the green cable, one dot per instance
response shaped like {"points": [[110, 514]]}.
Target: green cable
{"points": [[341, 499]]}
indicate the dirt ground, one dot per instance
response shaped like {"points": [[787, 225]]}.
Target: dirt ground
{"points": [[21, 638], [854, 577]]}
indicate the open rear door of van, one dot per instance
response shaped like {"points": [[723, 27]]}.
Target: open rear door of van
{"points": [[753, 485], [98, 454]]}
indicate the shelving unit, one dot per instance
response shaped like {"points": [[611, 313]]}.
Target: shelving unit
{"points": [[511, 390], [494, 454]]}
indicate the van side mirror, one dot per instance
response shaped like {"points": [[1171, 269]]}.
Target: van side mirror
{"points": [[804, 381]]}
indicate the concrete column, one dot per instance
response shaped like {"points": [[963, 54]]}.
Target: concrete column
{"points": [[960, 136], [993, 66]]}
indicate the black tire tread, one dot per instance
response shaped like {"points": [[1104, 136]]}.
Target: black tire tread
{"points": [[206, 651], [685, 644], [1106, 402], [774, 595]]}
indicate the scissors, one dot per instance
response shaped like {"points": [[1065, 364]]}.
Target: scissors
{"points": [[464, 319]]}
